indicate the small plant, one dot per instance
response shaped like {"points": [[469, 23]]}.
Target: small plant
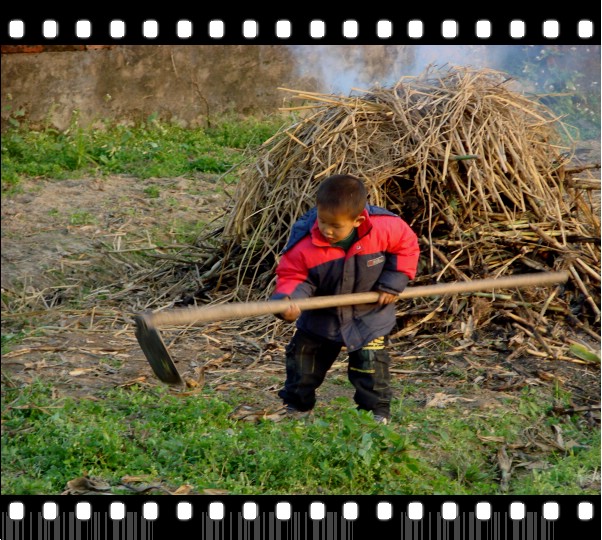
{"points": [[241, 132], [10, 339], [81, 218], [153, 192], [208, 164]]}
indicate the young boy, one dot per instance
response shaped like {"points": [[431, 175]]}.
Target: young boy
{"points": [[341, 246]]}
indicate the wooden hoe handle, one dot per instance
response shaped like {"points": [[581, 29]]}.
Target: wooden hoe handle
{"points": [[241, 310]]}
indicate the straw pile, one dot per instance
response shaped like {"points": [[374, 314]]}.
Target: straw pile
{"points": [[478, 170]]}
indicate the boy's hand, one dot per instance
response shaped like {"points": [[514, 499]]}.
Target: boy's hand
{"points": [[386, 298], [292, 313]]}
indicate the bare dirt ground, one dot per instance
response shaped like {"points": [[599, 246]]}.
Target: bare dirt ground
{"points": [[71, 263]]}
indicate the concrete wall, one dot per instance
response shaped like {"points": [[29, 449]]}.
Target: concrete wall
{"points": [[186, 84], [180, 83]]}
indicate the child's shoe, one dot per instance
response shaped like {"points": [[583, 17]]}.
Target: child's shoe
{"points": [[379, 419], [292, 412]]}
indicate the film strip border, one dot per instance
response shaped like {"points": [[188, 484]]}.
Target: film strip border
{"points": [[569, 27], [303, 517]]}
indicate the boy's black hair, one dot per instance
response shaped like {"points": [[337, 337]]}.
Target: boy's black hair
{"points": [[342, 192]]}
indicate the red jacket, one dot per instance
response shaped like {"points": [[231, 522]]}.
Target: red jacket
{"points": [[384, 258]]}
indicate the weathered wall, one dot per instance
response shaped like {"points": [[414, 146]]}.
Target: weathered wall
{"points": [[187, 83], [179, 83]]}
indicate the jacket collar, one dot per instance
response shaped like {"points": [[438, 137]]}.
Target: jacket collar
{"points": [[307, 224]]}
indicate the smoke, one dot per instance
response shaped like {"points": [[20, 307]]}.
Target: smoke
{"points": [[343, 68], [476, 56], [340, 69], [565, 77]]}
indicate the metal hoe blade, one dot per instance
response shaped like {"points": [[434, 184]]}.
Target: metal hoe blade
{"points": [[156, 353]]}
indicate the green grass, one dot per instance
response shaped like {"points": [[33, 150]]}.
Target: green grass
{"points": [[150, 149], [192, 440], [134, 432]]}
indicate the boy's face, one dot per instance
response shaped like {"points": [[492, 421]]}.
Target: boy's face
{"points": [[336, 225]]}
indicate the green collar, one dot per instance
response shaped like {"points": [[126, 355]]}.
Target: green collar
{"points": [[346, 243]]}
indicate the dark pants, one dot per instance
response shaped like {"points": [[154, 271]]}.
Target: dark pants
{"points": [[308, 358]]}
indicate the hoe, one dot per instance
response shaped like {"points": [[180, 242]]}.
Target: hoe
{"points": [[151, 343]]}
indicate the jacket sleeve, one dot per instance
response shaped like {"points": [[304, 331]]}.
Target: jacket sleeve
{"points": [[292, 277], [401, 261]]}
